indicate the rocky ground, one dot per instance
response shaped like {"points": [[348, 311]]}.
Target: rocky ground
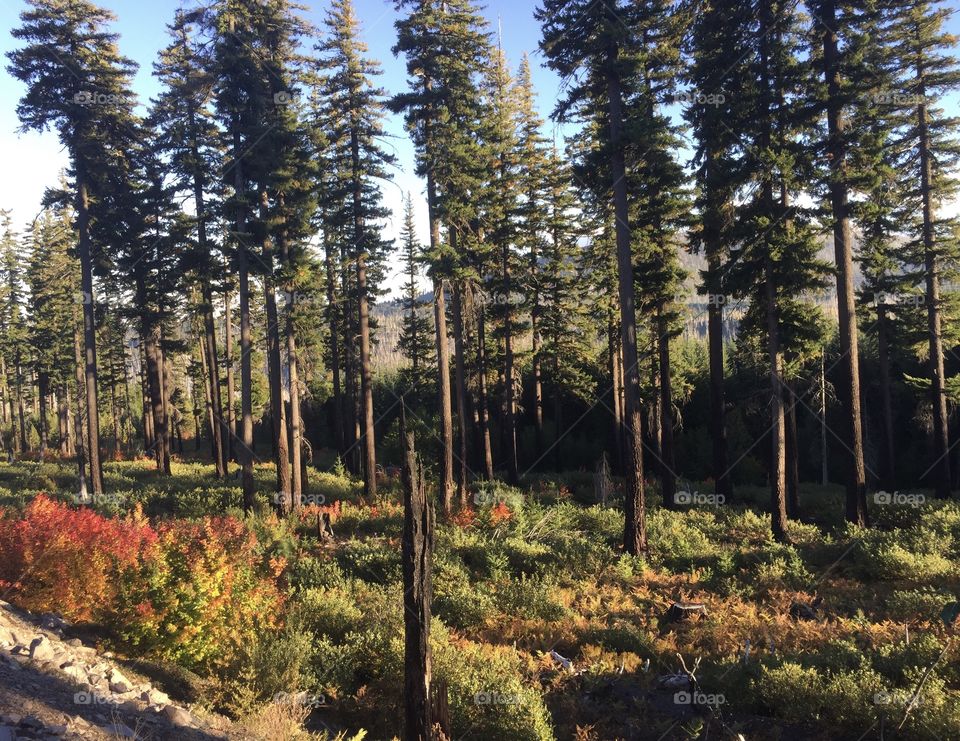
{"points": [[55, 687]]}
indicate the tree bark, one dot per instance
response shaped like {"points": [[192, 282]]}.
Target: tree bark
{"points": [[334, 324], [883, 357], [84, 252], [484, 394], [278, 414], [417, 595], [941, 434], [668, 479], [635, 529], [161, 442], [460, 378], [231, 440], [509, 387], [246, 334], [856, 502], [78, 427]]}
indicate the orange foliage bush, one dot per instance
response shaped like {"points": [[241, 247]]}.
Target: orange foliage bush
{"points": [[57, 558]]}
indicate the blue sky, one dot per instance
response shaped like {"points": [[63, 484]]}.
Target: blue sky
{"points": [[32, 161]]}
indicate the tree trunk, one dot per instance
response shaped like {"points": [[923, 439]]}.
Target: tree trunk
{"points": [[778, 480], [85, 255], [668, 479], [155, 384], [294, 418], [246, 334], [509, 388], [883, 357], [366, 384], [78, 427], [446, 413], [484, 395], [417, 594], [460, 378], [334, 324], [793, 454], [278, 413], [856, 503], [231, 441], [635, 528], [941, 436], [718, 425], [219, 429], [43, 389]]}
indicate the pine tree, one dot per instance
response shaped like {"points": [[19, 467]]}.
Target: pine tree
{"points": [[187, 134], [841, 79], [507, 266], [926, 70], [658, 200], [531, 215], [584, 42], [51, 278], [13, 329], [445, 45], [563, 319], [774, 260], [78, 83], [718, 73], [414, 342], [356, 113]]}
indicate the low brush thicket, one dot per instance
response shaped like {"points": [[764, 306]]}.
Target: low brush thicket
{"points": [[261, 606]]}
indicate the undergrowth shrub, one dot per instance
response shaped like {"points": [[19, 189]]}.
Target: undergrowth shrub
{"points": [[202, 596], [56, 558]]}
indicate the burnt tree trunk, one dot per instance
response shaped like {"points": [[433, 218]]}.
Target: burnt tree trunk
{"points": [[417, 594]]}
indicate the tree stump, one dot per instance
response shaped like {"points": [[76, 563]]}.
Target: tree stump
{"points": [[417, 594]]}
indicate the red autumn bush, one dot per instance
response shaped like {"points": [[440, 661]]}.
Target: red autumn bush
{"points": [[57, 558], [191, 591]]}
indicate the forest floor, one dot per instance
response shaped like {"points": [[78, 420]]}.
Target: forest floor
{"points": [[544, 629]]}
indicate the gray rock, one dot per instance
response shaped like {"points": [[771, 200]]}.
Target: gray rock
{"points": [[41, 649], [178, 716], [119, 683], [7, 734], [155, 697], [74, 671]]}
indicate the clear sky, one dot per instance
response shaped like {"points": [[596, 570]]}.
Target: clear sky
{"points": [[31, 161]]}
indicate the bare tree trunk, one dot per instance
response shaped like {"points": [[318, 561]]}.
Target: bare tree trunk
{"points": [[89, 329], [366, 385], [417, 595], [718, 425], [509, 387], [231, 440], [43, 388], [78, 427], [278, 413], [635, 527], [668, 479], [856, 504], [246, 334], [883, 355], [484, 395], [334, 324], [460, 378], [616, 381], [778, 482], [294, 418], [155, 383], [793, 454], [941, 433]]}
